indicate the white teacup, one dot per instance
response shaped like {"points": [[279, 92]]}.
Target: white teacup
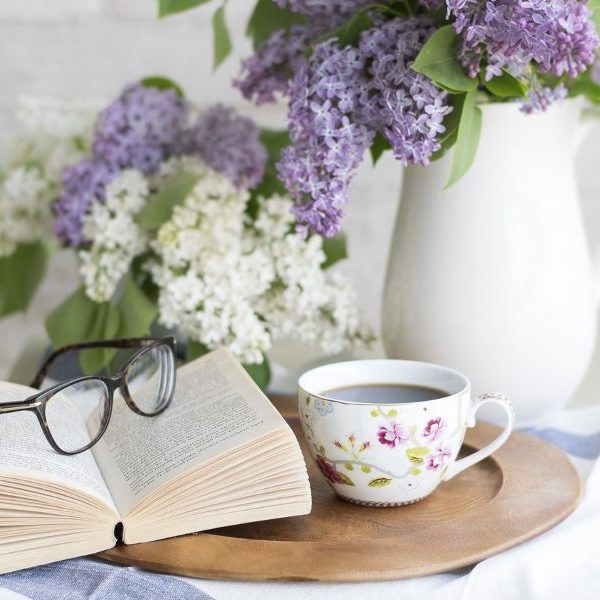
{"points": [[395, 453]]}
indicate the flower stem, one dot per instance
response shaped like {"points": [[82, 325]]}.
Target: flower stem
{"points": [[366, 464]]}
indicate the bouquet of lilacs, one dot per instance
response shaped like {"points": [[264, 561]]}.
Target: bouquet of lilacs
{"points": [[405, 76], [177, 220]]}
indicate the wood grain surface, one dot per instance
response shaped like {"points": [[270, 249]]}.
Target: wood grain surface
{"points": [[525, 489]]}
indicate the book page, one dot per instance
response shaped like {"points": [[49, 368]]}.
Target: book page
{"points": [[24, 449], [216, 407]]}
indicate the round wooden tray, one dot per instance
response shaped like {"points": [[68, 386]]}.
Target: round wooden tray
{"points": [[526, 488]]}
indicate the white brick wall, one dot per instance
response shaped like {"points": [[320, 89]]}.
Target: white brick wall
{"points": [[29, 10], [88, 48], [91, 47]]}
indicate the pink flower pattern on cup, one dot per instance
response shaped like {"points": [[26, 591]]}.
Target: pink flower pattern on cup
{"points": [[414, 442], [433, 429], [392, 434], [438, 458]]}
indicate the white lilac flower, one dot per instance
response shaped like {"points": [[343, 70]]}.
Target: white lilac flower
{"points": [[115, 237], [225, 279], [53, 132], [51, 135], [24, 208], [274, 219]]}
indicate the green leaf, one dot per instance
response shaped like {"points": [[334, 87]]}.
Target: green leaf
{"points": [[195, 350], [72, 321], [365, 468], [349, 467], [451, 122], [274, 142], [162, 83], [160, 205], [34, 165], [380, 482], [345, 479], [137, 311], [585, 87], [266, 18], [350, 34], [467, 139], [335, 249], [79, 319], [392, 413], [449, 90], [437, 60], [260, 373], [106, 327], [415, 471], [378, 147], [375, 413], [171, 7], [221, 37], [505, 86], [20, 276], [417, 455]]}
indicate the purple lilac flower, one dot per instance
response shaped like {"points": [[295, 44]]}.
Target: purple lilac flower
{"points": [[540, 98], [139, 129], [327, 141], [268, 70], [229, 143], [405, 106], [558, 35], [339, 99], [83, 183]]}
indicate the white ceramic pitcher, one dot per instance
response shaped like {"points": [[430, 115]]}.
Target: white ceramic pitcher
{"points": [[493, 276]]}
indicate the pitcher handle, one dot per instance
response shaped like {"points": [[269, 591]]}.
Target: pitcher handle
{"points": [[468, 461]]}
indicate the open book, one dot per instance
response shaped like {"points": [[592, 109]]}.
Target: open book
{"points": [[219, 455]]}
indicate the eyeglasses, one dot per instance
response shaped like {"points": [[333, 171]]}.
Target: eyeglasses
{"points": [[74, 415]]}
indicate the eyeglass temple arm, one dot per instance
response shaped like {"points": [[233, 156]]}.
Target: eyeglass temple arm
{"points": [[10, 407], [118, 343]]}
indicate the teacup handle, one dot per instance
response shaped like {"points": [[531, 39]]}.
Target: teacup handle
{"points": [[468, 461]]}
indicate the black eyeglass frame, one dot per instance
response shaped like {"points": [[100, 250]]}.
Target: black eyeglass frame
{"points": [[37, 403]]}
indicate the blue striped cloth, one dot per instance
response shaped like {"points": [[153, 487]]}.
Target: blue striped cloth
{"points": [[577, 445], [577, 432], [87, 579]]}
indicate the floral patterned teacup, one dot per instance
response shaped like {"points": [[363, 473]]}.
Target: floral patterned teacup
{"points": [[391, 454]]}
